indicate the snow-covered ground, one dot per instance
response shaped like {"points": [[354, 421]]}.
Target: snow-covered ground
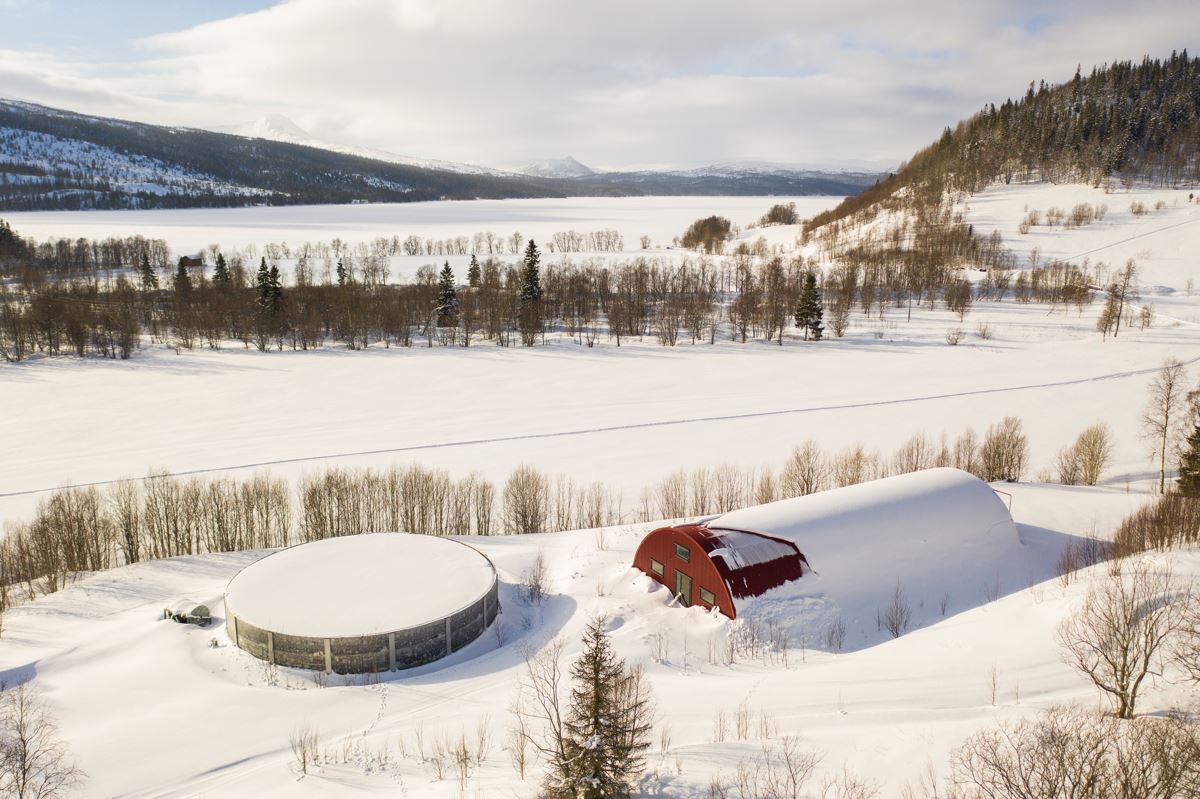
{"points": [[660, 218], [152, 708], [627, 417]]}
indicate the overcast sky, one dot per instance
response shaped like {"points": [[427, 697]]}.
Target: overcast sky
{"points": [[618, 83]]}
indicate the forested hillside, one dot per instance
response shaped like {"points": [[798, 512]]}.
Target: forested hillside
{"points": [[59, 160], [1122, 122]]}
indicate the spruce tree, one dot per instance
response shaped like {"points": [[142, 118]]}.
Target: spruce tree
{"points": [[473, 275], [221, 271], [183, 281], [341, 273], [607, 724], [809, 311], [530, 317], [149, 278], [262, 285], [276, 290], [531, 283], [1189, 463], [447, 303]]}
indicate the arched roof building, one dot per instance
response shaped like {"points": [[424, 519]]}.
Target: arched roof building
{"points": [[911, 528]]}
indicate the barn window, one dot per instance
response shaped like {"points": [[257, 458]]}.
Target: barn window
{"points": [[682, 553], [656, 567], [707, 597]]}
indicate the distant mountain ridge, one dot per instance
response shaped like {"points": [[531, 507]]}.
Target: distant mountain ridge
{"points": [[52, 159]]}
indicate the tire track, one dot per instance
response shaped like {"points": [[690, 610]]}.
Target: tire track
{"points": [[587, 431]]}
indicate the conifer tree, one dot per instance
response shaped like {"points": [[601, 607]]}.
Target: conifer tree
{"points": [[221, 271], [809, 311], [607, 725], [262, 285], [341, 273], [270, 289], [531, 296], [149, 278], [1189, 463], [473, 275], [447, 303], [276, 291], [531, 283], [183, 281]]}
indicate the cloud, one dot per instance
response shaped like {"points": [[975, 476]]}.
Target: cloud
{"points": [[617, 83]]}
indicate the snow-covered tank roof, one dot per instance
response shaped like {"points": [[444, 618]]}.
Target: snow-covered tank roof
{"points": [[359, 585]]}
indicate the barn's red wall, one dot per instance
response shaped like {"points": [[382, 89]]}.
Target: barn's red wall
{"points": [[660, 545]]}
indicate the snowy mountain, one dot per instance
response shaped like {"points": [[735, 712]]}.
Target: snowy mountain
{"points": [[277, 127], [52, 159], [56, 159], [566, 167]]}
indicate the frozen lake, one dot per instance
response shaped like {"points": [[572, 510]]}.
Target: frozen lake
{"points": [[661, 218]]}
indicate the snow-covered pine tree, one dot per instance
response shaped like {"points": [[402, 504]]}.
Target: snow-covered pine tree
{"points": [[221, 271], [149, 278], [473, 274], [447, 302], [607, 725], [809, 311]]}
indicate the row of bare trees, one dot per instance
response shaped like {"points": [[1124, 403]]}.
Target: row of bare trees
{"points": [[1073, 752], [92, 528], [86, 529], [1002, 453], [742, 297]]}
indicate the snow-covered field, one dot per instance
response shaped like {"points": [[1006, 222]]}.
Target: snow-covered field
{"points": [[660, 218], [151, 710]]}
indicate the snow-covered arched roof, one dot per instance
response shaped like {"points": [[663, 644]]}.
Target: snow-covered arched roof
{"points": [[935, 533], [933, 506]]}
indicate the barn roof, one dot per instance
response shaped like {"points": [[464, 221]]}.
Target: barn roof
{"points": [[906, 510], [936, 533], [751, 563]]}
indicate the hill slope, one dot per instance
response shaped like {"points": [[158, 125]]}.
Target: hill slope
{"points": [[1125, 121], [59, 160]]}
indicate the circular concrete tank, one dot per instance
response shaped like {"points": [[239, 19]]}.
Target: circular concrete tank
{"points": [[364, 603]]}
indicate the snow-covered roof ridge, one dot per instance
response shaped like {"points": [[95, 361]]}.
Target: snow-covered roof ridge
{"points": [[923, 506]]}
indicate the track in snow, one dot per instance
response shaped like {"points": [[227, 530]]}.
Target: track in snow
{"points": [[620, 427]]}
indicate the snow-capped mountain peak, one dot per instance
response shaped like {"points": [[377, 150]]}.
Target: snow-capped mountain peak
{"points": [[566, 167], [276, 127]]}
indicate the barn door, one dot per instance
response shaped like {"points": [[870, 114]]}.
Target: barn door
{"points": [[683, 588]]}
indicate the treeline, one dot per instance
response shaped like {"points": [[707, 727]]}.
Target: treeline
{"points": [[1000, 454], [86, 529], [501, 301], [1123, 120], [750, 294], [24, 258]]}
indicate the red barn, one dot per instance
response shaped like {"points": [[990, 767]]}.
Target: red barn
{"points": [[712, 566]]}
